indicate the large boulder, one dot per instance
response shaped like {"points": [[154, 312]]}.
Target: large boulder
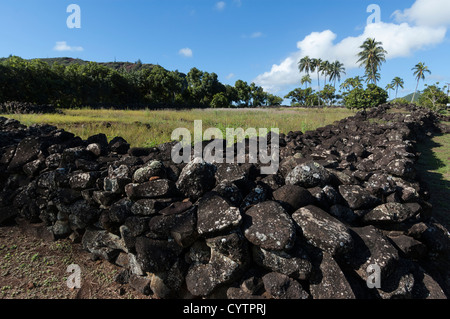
{"points": [[323, 231], [308, 175], [372, 248], [389, 213], [196, 178], [228, 259], [269, 226], [27, 150], [215, 214], [156, 255], [292, 197], [151, 169], [329, 282]]}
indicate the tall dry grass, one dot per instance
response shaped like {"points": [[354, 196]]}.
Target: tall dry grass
{"points": [[145, 128]]}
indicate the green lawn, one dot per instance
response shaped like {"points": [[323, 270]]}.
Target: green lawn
{"points": [[434, 166], [148, 128]]}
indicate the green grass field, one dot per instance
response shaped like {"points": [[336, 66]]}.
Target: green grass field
{"points": [[434, 167], [148, 128]]}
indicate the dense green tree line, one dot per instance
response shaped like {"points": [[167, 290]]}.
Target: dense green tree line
{"points": [[93, 84]]}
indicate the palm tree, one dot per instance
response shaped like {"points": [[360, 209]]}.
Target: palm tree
{"points": [[397, 82], [419, 72], [371, 57], [306, 79], [316, 63], [336, 70], [389, 87], [305, 65], [325, 69], [372, 77], [352, 83]]}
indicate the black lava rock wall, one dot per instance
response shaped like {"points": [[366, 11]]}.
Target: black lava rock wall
{"points": [[346, 197]]}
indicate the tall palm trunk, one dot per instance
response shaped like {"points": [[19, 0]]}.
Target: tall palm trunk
{"points": [[318, 92], [414, 95]]}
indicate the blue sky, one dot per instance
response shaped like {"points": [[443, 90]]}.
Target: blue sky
{"points": [[252, 40]]}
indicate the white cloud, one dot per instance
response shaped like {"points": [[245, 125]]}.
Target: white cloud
{"points": [[400, 40], [256, 35], [186, 52], [220, 5], [230, 76], [433, 13], [62, 46]]}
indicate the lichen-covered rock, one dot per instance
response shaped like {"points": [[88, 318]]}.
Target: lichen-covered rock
{"points": [[117, 179], [308, 175], [120, 211], [151, 169], [215, 214], [184, 231], [203, 279], [269, 226], [154, 189], [27, 150], [257, 195], [292, 264], [104, 198], [389, 213], [147, 207], [102, 244], [330, 282], [323, 231], [232, 173], [196, 178], [280, 286], [357, 197], [81, 214], [83, 180], [372, 248], [229, 191], [401, 168], [232, 245], [380, 184]]}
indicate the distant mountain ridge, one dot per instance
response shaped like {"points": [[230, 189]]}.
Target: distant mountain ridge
{"points": [[410, 96], [128, 66]]}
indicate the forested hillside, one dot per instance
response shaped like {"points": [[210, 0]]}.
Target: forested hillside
{"points": [[67, 82]]}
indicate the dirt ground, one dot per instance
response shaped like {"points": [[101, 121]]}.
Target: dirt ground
{"points": [[32, 268]]}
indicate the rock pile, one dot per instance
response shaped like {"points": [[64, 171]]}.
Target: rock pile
{"points": [[14, 107], [346, 198]]}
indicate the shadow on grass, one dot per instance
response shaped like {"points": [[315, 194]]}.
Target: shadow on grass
{"points": [[435, 182]]}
